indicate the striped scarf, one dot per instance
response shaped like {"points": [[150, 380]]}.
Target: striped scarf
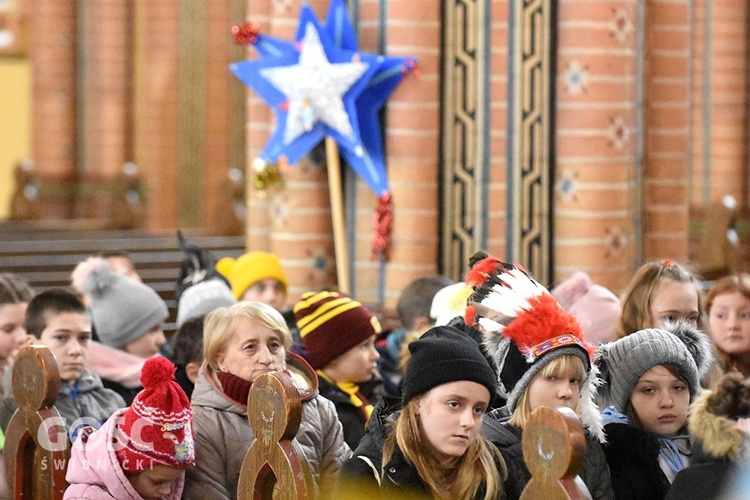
{"points": [[357, 398]]}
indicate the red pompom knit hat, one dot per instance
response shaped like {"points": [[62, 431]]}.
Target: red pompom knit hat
{"points": [[331, 323], [158, 426]]}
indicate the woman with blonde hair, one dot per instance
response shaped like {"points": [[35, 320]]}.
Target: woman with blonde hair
{"points": [[428, 444], [240, 343]]}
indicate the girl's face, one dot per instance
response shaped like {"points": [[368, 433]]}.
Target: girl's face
{"points": [[554, 390], [155, 481], [672, 301], [356, 365], [12, 331], [660, 401], [450, 416], [252, 350], [729, 322], [148, 344]]}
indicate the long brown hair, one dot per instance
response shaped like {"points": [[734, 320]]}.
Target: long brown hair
{"points": [[639, 294], [479, 465]]}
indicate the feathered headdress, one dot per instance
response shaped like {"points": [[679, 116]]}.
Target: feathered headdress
{"points": [[523, 329]]}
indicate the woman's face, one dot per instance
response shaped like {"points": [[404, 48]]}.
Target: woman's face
{"points": [[450, 416], [729, 322], [673, 300], [660, 401], [251, 351]]}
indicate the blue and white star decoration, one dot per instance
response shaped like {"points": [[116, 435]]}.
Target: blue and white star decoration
{"points": [[321, 85]]}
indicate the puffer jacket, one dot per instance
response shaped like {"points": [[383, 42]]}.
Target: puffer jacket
{"points": [[718, 449], [223, 436], [594, 473], [363, 477], [95, 473], [88, 399]]}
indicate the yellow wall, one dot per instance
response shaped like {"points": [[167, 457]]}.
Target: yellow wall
{"points": [[15, 123]]}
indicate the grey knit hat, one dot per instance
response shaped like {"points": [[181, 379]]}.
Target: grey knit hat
{"points": [[122, 309], [622, 362], [202, 298]]}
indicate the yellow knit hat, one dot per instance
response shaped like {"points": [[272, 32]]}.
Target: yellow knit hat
{"points": [[250, 268]]}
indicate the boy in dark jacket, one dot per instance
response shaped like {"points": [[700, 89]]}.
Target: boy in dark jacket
{"points": [[58, 319]]}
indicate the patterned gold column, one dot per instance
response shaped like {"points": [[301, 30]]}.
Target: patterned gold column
{"points": [[465, 133], [530, 154]]}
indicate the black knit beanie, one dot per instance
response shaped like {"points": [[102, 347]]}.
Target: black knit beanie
{"points": [[442, 355]]}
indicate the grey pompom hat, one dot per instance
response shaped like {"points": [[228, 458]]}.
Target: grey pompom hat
{"points": [[122, 309], [622, 362]]}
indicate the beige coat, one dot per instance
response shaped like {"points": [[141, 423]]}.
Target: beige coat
{"points": [[223, 436]]}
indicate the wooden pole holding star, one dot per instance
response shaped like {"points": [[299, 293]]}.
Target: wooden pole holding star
{"points": [[336, 193]]}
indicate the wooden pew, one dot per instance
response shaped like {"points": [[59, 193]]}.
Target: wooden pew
{"points": [[45, 257], [554, 446], [36, 441], [273, 467]]}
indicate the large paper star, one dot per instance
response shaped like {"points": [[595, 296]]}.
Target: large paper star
{"points": [[315, 89], [307, 84], [364, 150]]}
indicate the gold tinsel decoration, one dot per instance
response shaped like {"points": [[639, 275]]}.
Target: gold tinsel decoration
{"points": [[268, 177]]}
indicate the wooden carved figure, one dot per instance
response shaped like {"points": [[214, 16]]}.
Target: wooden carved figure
{"points": [[553, 447], [273, 466], [36, 440]]}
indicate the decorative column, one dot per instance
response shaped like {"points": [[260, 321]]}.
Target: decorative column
{"points": [[531, 107], [465, 135]]}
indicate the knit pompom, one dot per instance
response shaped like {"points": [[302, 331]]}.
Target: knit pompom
{"points": [[85, 279], [157, 370], [602, 363], [697, 344]]}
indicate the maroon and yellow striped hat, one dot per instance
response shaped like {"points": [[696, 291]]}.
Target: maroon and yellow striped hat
{"points": [[331, 323]]}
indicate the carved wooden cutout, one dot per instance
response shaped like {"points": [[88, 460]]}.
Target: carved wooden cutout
{"points": [[36, 441], [553, 448], [273, 466]]}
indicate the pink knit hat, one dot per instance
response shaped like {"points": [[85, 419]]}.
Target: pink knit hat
{"points": [[596, 308]]}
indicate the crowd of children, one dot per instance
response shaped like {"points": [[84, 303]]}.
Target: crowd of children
{"points": [[436, 409]]}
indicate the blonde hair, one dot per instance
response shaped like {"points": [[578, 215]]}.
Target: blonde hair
{"points": [[404, 353], [639, 294], [221, 324], [566, 366], [477, 466]]}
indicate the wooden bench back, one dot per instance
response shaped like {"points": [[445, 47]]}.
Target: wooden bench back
{"points": [[554, 446], [36, 441], [273, 466]]}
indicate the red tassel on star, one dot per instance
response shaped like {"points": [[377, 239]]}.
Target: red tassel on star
{"points": [[245, 34], [382, 221]]}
